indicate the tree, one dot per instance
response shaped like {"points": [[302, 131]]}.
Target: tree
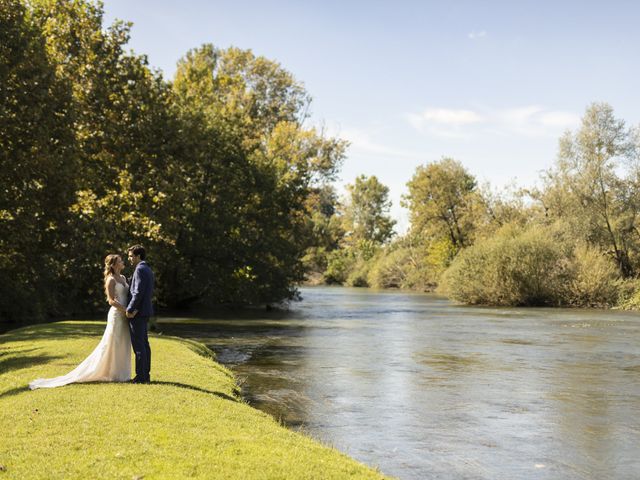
{"points": [[127, 138], [366, 215], [256, 167], [38, 166], [594, 183], [442, 198], [325, 225]]}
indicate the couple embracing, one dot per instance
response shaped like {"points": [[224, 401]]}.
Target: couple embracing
{"points": [[127, 327]]}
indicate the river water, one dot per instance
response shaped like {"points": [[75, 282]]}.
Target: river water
{"points": [[423, 388]]}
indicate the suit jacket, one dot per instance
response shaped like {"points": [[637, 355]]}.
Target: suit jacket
{"points": [[141, 290]]}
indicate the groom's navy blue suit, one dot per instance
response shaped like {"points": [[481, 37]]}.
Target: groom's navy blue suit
{"points": [[141, 293]]}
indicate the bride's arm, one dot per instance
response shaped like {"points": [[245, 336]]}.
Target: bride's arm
{"points": [[110, 288]]}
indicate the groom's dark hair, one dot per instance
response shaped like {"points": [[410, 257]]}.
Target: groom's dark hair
{"points": [[138, 251]]}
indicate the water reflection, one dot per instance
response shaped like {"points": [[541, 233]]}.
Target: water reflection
{"points": [[426, 389]]}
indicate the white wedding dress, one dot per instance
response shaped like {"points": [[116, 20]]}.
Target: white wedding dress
{"points": [[111, 359]]}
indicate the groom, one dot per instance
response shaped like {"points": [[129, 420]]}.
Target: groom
{"points": [[139, 310]]}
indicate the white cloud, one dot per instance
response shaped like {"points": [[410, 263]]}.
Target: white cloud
{"points": [[530, 120], [475, 35], [535, 120], [451, 117], [518, 115], [445, 122], [560, 119]]}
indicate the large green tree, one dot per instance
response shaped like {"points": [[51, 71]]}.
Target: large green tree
{"points": [[128, 141], [38, 165], [442, 200], [594, 185], [257, 165], [366, 213]]}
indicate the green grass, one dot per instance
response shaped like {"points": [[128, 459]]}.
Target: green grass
{"points": [[189, 423]]}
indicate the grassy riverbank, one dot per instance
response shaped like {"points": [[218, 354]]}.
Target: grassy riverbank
{"points": [[189, 423]]}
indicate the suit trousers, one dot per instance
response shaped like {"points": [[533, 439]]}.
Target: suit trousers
{"points": [[138, 326]]}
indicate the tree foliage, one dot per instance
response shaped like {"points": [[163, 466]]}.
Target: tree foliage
{"points": [[513, 268], [594, 185], [38, 164], [366, 214], [441, 200], [212, 172]]}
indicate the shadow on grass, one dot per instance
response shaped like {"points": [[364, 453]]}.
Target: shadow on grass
{"points": [[16, 360], [224, 396], [14, 391], [10, 351], [53, 331]]}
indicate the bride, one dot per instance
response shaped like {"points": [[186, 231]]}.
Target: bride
{"points": [[111, 359]]}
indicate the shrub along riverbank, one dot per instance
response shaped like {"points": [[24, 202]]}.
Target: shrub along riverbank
{"points": [[189, 423]]}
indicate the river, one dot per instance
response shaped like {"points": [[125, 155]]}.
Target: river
{"points": [[423, 388]]}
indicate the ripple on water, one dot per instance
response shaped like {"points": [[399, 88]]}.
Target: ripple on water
{"points": [[448, 361], [232, 356], [516, 341]]}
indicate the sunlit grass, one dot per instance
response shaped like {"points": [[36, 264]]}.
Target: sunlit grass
{"points": [[189, 423]]}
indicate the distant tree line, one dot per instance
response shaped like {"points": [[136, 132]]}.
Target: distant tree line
{"points": [[214, 172], [572, 241]]}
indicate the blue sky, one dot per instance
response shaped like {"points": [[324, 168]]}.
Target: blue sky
{"points": [[492, 84]]}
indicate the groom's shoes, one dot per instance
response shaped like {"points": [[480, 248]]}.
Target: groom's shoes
{"points": [[140, 380]]}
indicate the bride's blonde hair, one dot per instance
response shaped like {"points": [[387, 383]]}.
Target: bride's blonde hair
{"points": [[109, 261]]}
